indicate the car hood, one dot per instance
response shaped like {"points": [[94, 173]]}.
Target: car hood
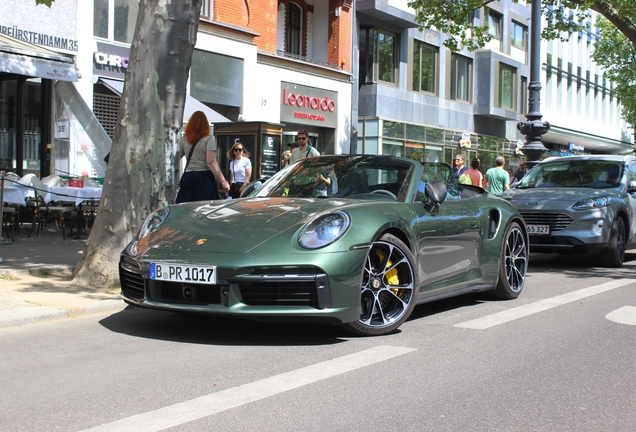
{"points": [[238, 226], [566, 195]]}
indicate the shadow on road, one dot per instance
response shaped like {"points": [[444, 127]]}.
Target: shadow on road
{"points": [[197, 329], [200, 329], [580, 266]]}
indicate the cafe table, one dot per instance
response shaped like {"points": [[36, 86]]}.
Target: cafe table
{"points": [[13, 195], [79, 197], [73, 194]]}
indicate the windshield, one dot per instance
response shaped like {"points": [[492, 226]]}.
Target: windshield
{"points": [[361, 177], [596, 174]]}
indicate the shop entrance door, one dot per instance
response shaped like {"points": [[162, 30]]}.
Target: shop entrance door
{"points": [[21, 112]]}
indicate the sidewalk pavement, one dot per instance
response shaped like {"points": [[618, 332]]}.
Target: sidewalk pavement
{"points": [[35, 281]]}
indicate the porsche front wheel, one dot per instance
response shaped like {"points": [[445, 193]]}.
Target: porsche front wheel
{"points": [[389, 288]]}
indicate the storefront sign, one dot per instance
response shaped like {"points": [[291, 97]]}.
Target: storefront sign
{"points": [[110, 60], [270, 157], [465, 141], [62, 129], [575, 147], [43, 39], [308, 105]]}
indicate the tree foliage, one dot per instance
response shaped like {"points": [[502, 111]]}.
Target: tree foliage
{"points": [[44, 2], [617, 56], [454, 18], [614, 50]]}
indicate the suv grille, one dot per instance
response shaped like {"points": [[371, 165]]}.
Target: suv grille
{"points": [[557, 221]]}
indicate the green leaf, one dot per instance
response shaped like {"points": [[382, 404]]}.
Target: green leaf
{"points": [[44, 2]]}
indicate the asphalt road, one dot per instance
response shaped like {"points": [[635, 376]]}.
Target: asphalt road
{"points": [[559, 358]]}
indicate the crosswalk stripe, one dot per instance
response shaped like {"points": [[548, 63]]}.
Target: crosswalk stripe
{"points": [[540, 306], [213, 403]]}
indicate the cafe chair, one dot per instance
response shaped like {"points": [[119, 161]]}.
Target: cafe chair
{"points": [[9, 220], [43, 211], [26, 179], [11, 176], [53, 180]]}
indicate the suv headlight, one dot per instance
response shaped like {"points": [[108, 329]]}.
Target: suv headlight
{"points": [[590, 203], [324, 230]]}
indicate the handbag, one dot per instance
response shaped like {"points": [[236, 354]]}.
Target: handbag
{"points": [[465, 179], [190, 155]]}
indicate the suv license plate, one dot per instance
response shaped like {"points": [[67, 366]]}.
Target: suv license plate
{"points": [[183, 273], [538, 229]]}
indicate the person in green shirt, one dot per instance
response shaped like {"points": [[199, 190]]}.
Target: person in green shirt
{"points": [[497, 179]]}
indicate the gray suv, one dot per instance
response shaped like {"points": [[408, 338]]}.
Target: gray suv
{"points": [[580, 204]]}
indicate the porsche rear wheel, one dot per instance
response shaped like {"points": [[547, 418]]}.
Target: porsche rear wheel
{"points": [[513, 264], [389, 288]]}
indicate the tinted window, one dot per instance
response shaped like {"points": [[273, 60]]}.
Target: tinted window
{"points": [[596, 174]]}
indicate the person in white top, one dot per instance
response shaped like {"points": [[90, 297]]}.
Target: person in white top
{"points": [[240, 169]]}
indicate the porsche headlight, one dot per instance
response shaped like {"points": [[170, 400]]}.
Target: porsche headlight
{"points": [[591, 203], [324, 230], [153, 221]]}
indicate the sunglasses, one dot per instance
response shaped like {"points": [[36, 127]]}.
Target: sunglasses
{"points": [[302, 138], [238, 149]]}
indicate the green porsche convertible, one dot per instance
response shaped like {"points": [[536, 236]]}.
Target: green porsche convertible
{"points": [[355, 240]]}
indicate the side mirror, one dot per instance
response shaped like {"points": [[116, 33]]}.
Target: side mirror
{"points": [[435, 192], [631, 186]]}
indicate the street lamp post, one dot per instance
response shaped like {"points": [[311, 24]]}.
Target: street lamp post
{"points": [[533, 128]]}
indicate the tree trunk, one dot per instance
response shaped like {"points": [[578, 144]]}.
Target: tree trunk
{"points": [[141, 171]]}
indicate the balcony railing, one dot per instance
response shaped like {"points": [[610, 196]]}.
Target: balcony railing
{"points": [[307, 59]]}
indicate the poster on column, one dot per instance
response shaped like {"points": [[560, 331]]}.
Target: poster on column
{"points": [[270, 155]]}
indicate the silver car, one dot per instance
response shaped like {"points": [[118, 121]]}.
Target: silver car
{"points": [[580, 204]]}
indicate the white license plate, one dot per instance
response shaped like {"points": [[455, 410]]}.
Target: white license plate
{"points": [[183, 273], [538, 229]]}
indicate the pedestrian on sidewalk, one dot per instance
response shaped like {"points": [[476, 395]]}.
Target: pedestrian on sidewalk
{"points": [[497, 178]]}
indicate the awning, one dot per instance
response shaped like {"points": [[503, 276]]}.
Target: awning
{"points": [[191, 104], [23, 58]]}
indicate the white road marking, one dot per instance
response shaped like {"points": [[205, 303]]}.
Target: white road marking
{"points": [[540, 306], [624, 315], [213, 403]]}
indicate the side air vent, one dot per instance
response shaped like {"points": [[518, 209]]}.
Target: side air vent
{"points": [[494, 219]]}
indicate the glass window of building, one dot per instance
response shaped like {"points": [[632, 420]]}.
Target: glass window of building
{"points": [[523, 108], [461, 78], [207, 6], [292, 40], [385, 55], [518, 42], [507, 77], [378, 56], [100, 19], [115, 19], [494, 23], [424, 68]]}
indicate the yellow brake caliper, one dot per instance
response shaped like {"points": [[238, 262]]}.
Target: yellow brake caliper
{"points": [[391, 277]]}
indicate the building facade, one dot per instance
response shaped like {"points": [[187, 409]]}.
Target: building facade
{"points": [[268, 62], [280, 62], [357, 75], [418, 99], [35, 55]]}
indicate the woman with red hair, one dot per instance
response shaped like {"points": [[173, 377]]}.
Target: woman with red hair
{"points": [[199, 180]]}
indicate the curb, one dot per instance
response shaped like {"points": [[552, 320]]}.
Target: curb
{"points": [[38, 314]]}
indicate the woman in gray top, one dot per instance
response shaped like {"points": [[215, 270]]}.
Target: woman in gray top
{"points": [[199, 181]]}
